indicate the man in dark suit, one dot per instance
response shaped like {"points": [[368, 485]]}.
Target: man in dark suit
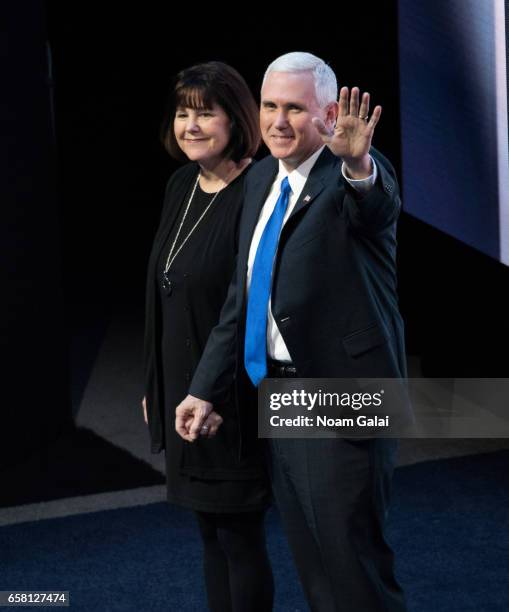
{"points": [[314, 295]]}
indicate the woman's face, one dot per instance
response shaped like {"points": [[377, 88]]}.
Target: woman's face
{"points": [[202, 134]]}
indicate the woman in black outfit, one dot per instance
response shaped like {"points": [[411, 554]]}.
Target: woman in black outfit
{"points": [[214, 125]]}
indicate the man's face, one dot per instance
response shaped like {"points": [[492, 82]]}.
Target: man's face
{"points": [[287, 106]]}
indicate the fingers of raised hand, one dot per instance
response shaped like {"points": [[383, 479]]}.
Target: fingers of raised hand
{"points": [[343, 102], [355, 105], [364, 107], [377, 111], [354, 102]]}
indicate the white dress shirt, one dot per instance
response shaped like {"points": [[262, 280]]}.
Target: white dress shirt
{"points": [[276, 347]]}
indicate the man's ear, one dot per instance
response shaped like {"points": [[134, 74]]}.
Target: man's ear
{"points": [[331, 114]]}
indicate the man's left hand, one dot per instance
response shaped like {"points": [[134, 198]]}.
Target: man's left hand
{"points": [[190, 416], [351, 138]]}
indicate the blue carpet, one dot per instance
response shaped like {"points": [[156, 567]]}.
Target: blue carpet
{"points": [[449, 525]]}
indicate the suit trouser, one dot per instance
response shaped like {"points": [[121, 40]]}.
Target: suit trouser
{"points": [[333, 496]]}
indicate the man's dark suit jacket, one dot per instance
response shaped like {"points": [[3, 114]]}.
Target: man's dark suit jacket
{"points": [[334, 293]]}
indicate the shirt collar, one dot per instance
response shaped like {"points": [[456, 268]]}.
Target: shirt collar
{"points": [[298, 177]]}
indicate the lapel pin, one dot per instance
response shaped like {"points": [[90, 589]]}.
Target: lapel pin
{"points": [[307, 198]]}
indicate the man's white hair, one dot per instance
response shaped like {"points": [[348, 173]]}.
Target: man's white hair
{"points": [[326, 85]]}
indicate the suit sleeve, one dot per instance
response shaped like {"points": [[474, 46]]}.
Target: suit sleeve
{"points": [[213, 378], [214, 375], [379, 208]]}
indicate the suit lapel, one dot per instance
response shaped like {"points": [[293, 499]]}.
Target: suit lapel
{"points": [[318, 179], [255, 199], [324, 170], [253, 203]]}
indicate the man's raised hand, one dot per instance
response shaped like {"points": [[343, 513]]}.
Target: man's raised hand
{"points": [[351, 138]]}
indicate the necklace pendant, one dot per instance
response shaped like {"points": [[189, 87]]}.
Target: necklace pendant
{"points": [[167, 285]]}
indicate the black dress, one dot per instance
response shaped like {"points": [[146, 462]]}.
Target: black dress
{"points": [[209, 474]]}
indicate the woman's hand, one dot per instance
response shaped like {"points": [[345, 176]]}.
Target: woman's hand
{"points": [[144, 404]]}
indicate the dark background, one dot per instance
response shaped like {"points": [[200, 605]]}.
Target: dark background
{"points": [[86, 174]]}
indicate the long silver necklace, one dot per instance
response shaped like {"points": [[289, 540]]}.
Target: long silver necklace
{"points": [[167, 284]]}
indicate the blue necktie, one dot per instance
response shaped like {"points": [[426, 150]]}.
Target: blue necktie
{"points": [[255, 346]]}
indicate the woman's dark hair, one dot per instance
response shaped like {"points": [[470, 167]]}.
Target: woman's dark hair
{"points": [[201, 86]]}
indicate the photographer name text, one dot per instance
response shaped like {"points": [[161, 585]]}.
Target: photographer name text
{"points": [[309, 401]]}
